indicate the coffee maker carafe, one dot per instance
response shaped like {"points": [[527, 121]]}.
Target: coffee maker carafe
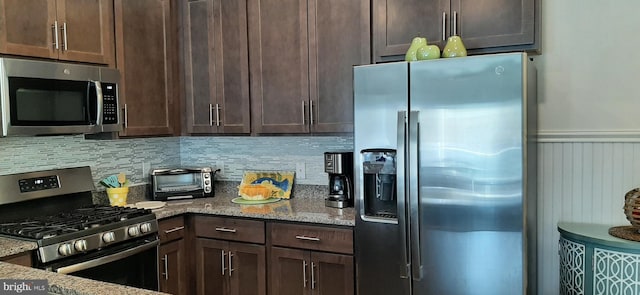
{"points": [[339, 166]]}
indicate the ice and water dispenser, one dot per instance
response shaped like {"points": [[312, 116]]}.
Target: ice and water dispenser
{"points": [[380, 191]]}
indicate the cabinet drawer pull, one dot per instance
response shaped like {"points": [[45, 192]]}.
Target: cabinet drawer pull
{"points": [[226, 230], [173, 229], [308, 238]]}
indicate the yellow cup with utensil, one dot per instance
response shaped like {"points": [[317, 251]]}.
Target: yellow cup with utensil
{"points": [[118, 195]]}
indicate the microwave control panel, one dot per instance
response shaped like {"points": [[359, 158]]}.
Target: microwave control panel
{"points": [[110, 110]]}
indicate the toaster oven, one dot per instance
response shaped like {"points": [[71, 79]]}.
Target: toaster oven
{"points": [[182, 183]]}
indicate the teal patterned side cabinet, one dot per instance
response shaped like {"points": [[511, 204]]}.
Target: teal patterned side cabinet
{"points": [[571, 267], [594, 262]]}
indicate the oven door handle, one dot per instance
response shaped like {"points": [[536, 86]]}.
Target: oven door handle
{"points": [[106, 259]]}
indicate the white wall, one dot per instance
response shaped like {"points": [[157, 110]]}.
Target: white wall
{"points": [[589, 70], [589, 97]]}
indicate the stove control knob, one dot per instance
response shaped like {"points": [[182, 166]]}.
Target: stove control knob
{"points": [[65, 249], [145, 227], [133, 231], [80, 245], [108, 237]]}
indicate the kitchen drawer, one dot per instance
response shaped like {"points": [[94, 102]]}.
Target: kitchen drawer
{"points": [[229, 228], [171, 229], [312, 237]]}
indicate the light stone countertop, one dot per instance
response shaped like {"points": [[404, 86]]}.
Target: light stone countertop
{"points": [[311, 210], [306, 205], [68, 285], [10, 247]]}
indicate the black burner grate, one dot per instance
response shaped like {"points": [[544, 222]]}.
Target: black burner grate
{"points": [[43, 227]]}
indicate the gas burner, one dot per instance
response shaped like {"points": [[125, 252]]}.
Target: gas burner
{"points": [[45, 227], [36, 229]]}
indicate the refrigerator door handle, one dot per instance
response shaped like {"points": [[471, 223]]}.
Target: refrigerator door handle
{"points": [[414, 198], [402, 200]]}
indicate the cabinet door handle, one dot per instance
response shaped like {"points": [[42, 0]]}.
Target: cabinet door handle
{"points": [[303, 115], [444, 25], [210, 115], [311, 112], [313, 277], [174, 229], [455, 23], [54, 34], [217, 114], [64, 36], [223, 268], [126, 116], [226, 230], [304, 273], [165, 261], [308, 238], [230, 263]]}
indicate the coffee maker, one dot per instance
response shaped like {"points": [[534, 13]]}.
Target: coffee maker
{"points": [[339, 166]]}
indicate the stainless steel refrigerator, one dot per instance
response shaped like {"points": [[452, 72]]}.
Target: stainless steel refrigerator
{"points": [[445, 176]]}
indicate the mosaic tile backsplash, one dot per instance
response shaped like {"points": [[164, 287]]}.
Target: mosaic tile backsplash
{"points": [[233, 155], [105, 157]]}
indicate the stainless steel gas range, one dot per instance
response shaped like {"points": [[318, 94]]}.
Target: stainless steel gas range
{"points": [[54, 209]]}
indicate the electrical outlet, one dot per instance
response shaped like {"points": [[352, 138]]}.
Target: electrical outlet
{"points": [[146, 168], [219, 165], [300, 170]]}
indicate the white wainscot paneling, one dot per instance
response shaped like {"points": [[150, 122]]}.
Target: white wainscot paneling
{"points": [[580, 182]]}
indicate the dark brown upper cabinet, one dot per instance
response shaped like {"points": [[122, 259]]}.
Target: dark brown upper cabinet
{"points": [[485, 26], [70, 30], [216, 67], [301, 55], [147, 54]]}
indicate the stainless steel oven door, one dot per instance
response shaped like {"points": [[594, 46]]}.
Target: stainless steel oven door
{"points": [[131, 264]]}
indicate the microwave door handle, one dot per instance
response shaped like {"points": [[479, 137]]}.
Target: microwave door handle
{"points": [[100, 102]]}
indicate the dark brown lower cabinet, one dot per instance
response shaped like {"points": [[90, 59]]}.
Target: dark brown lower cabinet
{"points": [[232, 268], [172, 263], [173, 257], [297, 272]]}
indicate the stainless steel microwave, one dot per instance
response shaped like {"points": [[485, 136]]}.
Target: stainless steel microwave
{"points": [[42, 98]]}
